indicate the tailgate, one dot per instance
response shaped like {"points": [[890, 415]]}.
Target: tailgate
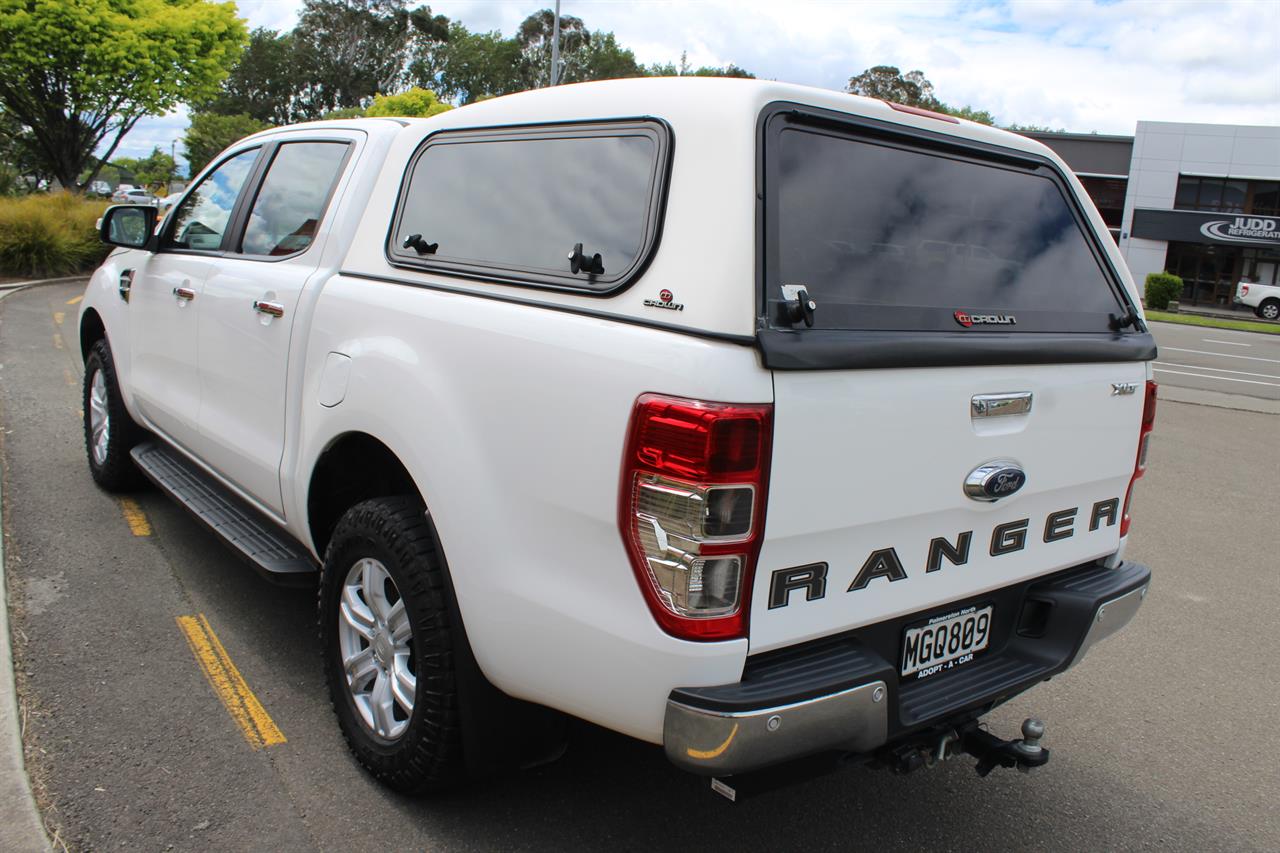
{"points": [[869, 469]]}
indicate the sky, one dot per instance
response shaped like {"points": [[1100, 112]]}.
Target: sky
{"points": [[1071, 64]]}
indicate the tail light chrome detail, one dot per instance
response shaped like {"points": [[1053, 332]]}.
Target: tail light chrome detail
{"points": [[691, 510]]}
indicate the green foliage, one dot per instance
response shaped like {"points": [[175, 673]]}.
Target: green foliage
{"points": [[1215, 322], [262, 84], [967, 112], [670, 69], [887, 83], [471, 66], [49, 235], [210, 133], [1161, 287], [156, 169], [79, 71], [417, 101], [345, 112]]}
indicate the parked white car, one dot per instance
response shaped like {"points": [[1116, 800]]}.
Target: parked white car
{"points": [[1264, 299], [606, 399], [133, 196]]}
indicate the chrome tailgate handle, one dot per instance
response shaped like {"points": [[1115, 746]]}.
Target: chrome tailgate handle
{"points": [[997, 405]]}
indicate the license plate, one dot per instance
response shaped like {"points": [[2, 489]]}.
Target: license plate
{"points": [[945, 641]]}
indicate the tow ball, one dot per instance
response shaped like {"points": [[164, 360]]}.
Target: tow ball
{"points": [[992, 752]]}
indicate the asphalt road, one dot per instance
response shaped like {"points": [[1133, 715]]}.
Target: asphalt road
{"points": [[1164, 738], [1246, 363]]}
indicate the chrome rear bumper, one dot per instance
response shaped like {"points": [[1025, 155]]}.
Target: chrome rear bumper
{"points": [[842, 694]]}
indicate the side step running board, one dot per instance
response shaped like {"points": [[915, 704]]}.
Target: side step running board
{"points": [[270, 550]]}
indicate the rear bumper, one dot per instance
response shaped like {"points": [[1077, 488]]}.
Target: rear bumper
{"points": [[843, 693]]}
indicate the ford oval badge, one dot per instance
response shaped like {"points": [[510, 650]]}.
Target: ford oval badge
{"points": [[994, 480]]}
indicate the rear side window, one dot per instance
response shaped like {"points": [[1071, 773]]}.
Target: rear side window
{"points": [[518, 204], [893, 234], [293, 197]]}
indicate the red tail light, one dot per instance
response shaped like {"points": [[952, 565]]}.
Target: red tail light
{"points": [[1144, 438], [691, 510]]}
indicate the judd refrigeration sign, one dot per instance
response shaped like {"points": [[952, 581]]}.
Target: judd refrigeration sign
{"points": [[1191, 226]]}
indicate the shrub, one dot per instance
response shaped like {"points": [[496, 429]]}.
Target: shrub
{"points": [[1162, 287], [49, 235]]}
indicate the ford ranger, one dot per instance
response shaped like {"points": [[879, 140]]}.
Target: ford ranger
{"points": [[775, 426]]}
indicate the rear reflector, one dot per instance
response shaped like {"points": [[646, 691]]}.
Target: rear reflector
{"points": [[691, 510]]}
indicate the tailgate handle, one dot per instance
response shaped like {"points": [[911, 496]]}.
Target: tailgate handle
{"points": [[996, 405]]}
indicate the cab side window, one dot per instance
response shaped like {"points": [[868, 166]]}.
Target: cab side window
{"points": [[293, 197], [201, 220]]}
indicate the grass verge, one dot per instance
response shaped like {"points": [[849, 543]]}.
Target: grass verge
{"points": [[1214, 322], [49, 234]]}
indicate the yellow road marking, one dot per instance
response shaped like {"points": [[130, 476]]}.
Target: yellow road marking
{"points": [[75, 300], [71, 380], [254, 721], [59, 316], [57, 341], [135, 517], [718, 751]]}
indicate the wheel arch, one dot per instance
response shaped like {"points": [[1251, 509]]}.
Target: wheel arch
{"points": [[92, 330], [355, 466]]}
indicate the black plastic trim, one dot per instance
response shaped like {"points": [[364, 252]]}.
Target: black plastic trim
{"points": [[742, 340], [537, 279], [1012, 664], [822, 349]]}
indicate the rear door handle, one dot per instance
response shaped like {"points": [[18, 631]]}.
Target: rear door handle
{"points": [[274, 309], [184, 293]]}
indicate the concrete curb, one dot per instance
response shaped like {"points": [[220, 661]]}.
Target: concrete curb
{"points": [[21, 830], [18, 285]]}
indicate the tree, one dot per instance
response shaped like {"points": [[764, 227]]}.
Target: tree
{"points": [[670, 69], [471, 66], [78, 73], [347, 51], [155, 169], [262, 84], [535, 37], [966, 112], [887, 83], [210, 133], [413, 102]]}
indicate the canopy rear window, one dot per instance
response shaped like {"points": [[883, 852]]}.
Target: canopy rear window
{"points": [[889, 233]]}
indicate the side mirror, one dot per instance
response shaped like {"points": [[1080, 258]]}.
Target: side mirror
{"points": [[128, 225]]}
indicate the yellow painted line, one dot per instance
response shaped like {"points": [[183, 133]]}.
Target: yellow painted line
{"points": [[135, 517], [254, 721], [75, 300], [71, 380], [705, 754], [57, 341], [59, 316]]}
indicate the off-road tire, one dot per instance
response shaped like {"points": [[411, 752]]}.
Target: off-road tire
{"points": [[114, 471], [395, 531]]}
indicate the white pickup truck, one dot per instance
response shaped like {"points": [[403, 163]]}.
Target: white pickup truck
{"points": [[641, 402], [1264, 299]]}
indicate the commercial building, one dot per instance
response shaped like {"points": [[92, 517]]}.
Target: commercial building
{"points": [[1201, 201]]}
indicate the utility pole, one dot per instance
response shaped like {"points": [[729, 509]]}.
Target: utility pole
{"points": [[555, 47]]}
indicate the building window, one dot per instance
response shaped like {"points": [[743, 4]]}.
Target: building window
{"points": [[1227, 195]]}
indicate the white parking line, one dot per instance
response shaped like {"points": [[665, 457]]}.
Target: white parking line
{"points": [[1228, 343], [1221, 354], [1216, 369], [1220, 378]]}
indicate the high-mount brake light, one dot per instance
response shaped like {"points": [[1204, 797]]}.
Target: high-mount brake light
{"points": [[691, 510], [1144, 439]]}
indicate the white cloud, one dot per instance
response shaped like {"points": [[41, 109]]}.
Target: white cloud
{"points": [[1064, 63]]}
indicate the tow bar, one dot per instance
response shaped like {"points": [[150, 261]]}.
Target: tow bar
{"points": [[992, 752]]}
